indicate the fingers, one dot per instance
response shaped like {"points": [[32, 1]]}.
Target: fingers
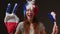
{"points": [[15, 8], [8, 7], [55, 29]]}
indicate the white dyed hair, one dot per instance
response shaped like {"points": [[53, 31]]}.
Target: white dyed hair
{"points": [[30, 5], [31, 2]]}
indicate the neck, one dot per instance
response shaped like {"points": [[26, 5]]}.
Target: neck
{"points": [[30, 21]]}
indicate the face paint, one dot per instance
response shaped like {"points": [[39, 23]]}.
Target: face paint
{"points": [[52, 16], [15, 8], [11, 20], [8, 8]]}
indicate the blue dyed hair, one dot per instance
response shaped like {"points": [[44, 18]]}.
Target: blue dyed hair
{"points": [[24, 8]]}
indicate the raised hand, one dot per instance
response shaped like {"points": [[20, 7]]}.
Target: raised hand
{"points": [[55, 29], [11, 20]]}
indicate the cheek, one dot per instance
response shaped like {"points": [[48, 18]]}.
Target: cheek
{"points": [[31, 13], [26, 13]]}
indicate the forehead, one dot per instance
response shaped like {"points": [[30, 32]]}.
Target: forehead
{"points": [[29, 0], [29, 7]]}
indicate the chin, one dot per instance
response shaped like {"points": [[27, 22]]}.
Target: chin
{"points": [[30, 18]]}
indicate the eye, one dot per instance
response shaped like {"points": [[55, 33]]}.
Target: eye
{"points": [[27, 9]]}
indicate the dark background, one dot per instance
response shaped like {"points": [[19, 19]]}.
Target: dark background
{"points": [[45, 6]]}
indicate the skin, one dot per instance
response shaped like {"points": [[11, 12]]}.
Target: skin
{"points": [[30, 15]]}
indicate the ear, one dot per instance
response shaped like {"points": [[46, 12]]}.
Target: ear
{"points": [[15, 8]]}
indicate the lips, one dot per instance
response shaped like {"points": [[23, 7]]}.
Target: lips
{"points": [[30, 16]]}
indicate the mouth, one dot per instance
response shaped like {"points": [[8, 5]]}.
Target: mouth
{"points": [[30, 16]]}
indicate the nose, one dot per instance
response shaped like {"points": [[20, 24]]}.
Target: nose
{"points": [[30, 12]]}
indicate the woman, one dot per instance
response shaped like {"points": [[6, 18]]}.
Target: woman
{"points": [[30, 25]]}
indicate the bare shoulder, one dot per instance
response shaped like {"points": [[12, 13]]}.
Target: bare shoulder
{"points": [[20, 23], [20, 26]]}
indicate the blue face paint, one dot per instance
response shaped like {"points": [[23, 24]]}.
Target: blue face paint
{"points": [[50, 17], [8, 8]]}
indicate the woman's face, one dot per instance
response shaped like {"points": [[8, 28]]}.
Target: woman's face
{"points": [[29, 14]]}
